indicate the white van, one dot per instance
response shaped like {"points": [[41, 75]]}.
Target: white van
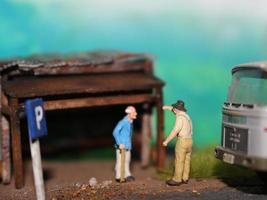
{"points": [[244, 121]]}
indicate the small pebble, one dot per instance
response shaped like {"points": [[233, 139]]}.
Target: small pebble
{"points": [[92, 182]]}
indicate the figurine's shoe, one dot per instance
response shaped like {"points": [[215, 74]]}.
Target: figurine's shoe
{"points": [[130, 178], [173, 183], [185, 181], [119, 180]]}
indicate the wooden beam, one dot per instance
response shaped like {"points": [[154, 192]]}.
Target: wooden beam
{"points": [[97, 101], [16, 144]]}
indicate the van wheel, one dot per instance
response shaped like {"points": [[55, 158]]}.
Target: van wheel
{"points": [[262, 176]]}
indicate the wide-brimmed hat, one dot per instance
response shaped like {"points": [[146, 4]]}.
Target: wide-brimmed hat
{"points": [[179, 105]]}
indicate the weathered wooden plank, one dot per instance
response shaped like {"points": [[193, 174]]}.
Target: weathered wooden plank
{"points": [[97, 101], [27, 87], [16, 144], [1, 169], [146, 136], [6, 163]]}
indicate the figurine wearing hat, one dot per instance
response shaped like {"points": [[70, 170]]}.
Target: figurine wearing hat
{"points": [[183, 131]]}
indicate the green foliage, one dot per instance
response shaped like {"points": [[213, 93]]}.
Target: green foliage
{"points": [[205, 165]]}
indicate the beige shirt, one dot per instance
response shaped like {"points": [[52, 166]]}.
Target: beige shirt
{"points": [[183, 125]]}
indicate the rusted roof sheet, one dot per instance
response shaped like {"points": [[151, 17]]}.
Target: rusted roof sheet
{"points": [[73, 63]]}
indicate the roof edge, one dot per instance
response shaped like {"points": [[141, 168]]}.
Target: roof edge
{"points": [[262, 65]]}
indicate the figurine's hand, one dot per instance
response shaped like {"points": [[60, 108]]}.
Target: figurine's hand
{"points": [[121, 146], [167, 107], [164, 107], [165, 143]]}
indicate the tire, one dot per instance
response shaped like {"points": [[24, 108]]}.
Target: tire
{"points": [[262, 176]]}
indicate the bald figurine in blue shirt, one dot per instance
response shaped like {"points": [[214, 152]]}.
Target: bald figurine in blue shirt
{"points": [[123, 137]]}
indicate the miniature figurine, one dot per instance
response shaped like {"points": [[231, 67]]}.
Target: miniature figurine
{"points": [[183, 148], [123, 137]]}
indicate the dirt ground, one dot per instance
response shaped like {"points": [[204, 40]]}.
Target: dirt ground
{"points": [[70, 180]]}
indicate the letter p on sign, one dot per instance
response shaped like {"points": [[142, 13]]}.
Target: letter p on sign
{"points": [[36, 118], [39, 116]]}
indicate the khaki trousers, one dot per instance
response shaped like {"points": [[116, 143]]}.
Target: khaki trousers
{"points": [[126, 164], [183, 150]]}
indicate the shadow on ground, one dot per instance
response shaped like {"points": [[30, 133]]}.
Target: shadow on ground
{"points": [[242, 179]]}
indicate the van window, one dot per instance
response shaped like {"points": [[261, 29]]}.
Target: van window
{"points": [[249, 86]]}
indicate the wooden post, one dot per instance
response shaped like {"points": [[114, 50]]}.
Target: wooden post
{"points": [[0, 169], [160, 148], [16, 143], [6, 174], [146, 135]]}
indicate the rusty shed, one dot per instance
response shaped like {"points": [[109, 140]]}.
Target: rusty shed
{"points": [[78, 81]]}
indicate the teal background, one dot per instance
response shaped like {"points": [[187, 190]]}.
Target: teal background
{"points": [[194, 43]]}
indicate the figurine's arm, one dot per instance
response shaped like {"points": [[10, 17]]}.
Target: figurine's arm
{"points": [[165, 107], [176, 129], [117, 134]]}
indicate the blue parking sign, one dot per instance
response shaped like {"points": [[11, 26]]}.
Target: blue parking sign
{"points": [[36, 118]]}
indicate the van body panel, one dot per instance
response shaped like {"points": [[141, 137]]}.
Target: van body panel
{"points": [[244, 118]]}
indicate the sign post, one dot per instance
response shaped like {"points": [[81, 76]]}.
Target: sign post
{"points": [[37, 128]]}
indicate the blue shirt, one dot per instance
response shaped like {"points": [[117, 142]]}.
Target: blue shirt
{"points": [[123, 133]]}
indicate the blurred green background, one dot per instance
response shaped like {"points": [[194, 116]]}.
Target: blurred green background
{"points": [[195, 43]]}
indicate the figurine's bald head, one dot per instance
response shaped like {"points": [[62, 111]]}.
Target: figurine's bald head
{"points": [[131, 112]]}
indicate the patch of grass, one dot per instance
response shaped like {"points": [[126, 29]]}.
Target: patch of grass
{"points": [[205, 165]]}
